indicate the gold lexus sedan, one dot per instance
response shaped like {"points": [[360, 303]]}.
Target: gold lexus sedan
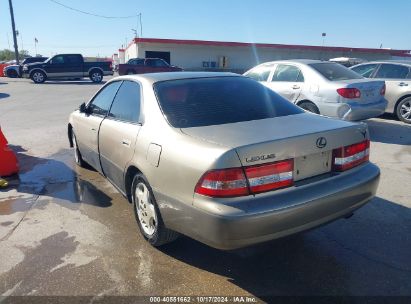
{"points": [[221, 158]]}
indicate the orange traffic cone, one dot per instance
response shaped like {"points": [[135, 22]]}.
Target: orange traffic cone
{"points": [[8, 160]]}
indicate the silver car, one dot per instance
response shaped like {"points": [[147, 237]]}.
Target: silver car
{"points": [[323, 88], [220, 158], [397, 76]]}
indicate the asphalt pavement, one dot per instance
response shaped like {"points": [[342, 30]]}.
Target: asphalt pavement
{"points": [[66, 231]]}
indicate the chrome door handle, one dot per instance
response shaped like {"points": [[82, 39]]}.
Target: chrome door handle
{"points": [[296, 87], [403, 84], [93, 129]]}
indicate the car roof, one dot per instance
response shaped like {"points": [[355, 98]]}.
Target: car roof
{"points": [[157, 77], [299, 61]]}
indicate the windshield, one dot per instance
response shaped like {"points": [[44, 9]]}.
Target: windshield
{"points": [[334, 71], [200, 102]]}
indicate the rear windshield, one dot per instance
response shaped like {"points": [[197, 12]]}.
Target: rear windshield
{"points": [[334, 71], [188, 103]]}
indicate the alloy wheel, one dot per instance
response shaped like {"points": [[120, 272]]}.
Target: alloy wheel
{"points": [[146, 212]]}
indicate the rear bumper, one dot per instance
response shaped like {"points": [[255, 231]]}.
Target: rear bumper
{"points": [[273, 215], [354, 111]]}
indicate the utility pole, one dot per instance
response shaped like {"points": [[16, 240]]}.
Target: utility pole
{"points": [[13, 26]]}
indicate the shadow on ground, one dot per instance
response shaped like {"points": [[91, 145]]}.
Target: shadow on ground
{"points": [[389, 131], [4, 95], [367, 255], [52, 177], [70, 82]]}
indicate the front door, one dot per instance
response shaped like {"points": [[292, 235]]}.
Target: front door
{"points": [[287, 81], [55, 67], [119, 131], [88, 124]]}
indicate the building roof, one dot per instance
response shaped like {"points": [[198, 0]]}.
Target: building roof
{"points": [[403, 53]]}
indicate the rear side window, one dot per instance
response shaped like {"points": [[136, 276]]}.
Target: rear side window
{"points": [[73, 59], [334, 71], [126, 105], [102, 102], [392, 71], [200, 102], [287, 73], [259, 74], [366, 70], [158, 63]]}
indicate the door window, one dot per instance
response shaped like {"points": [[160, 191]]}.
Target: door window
{"points": [[73, 59], [158, 63], [58, 60], [392, 71], [102, 102], [259, 74], [287, 73], [126, 105], [366, 70]]}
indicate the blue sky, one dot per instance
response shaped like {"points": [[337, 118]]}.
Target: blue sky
{"points": [[355, 23]]}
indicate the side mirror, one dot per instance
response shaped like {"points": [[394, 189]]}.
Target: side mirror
{"points": [[83, 108]]}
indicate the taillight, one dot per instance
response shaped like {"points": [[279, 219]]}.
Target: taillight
{"points": [[263, 178], [223, 183], [349, 93], [346, 158], [257, 179], [383, 90]]}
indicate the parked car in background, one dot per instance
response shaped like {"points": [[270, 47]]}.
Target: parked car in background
{"points": [[221, 158], [147, 65], [397, 77], [67, 66], [15, 71], [347, 61], [323, 88]]}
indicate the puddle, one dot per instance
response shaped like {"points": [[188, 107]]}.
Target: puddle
{"points": [[53, 177], [13, 205]]}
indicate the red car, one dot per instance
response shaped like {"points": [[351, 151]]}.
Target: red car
{"points": [[144, 66]]}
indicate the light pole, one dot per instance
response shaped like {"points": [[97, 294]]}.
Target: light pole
{"points": [[13, 26], [324, 35]]}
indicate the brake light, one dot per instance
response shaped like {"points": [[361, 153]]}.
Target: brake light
{"points": [[383, 90], [348, 157], [223, 183], [349, 93], [267, 177], [257, 179]]}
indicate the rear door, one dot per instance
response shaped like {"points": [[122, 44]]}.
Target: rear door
{"points": [[119, 131], [398, 81], [74, 66], [287, 81], [87, 125]]}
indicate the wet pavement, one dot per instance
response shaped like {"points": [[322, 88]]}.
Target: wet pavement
{"points": [[67, 231]]}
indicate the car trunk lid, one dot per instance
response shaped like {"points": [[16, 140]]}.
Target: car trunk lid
{"points": [[370, 90], [306, 138]]}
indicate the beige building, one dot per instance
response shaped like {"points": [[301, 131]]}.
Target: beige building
{"points": [[238, 56]]}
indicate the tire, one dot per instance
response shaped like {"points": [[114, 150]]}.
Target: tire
{"points": [[77, 155], [403, 110], [38, 76], [309, 106], [147, 214], [12, 74], [96, 76]]}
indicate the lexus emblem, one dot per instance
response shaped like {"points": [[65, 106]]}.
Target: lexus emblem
{"points": [[321, 142]]}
